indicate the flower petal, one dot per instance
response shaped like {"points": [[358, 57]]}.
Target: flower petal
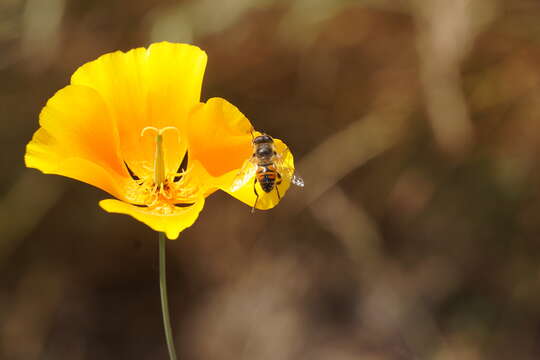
{"points": [[171, 224], [147, 87], [78, 139], [219, 136], [220, 140], [265, 201]]}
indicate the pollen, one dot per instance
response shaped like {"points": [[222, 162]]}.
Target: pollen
{"points": [[157, 187]]}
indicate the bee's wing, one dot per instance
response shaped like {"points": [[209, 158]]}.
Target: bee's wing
{"points": [[288, 172], [297, 180], [245, 174]]}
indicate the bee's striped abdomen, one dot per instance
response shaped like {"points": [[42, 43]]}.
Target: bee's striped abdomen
{"points": [[266, 176]]}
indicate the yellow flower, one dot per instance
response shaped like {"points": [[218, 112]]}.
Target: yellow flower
{"points": [[124, 113]]}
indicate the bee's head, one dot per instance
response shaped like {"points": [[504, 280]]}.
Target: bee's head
{"points": [[263, 139]]}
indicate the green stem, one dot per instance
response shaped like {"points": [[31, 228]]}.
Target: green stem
{"points": [[164, 301]]}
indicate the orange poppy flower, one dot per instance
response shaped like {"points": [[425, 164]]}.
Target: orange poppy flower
{"points": [[125, 124]]}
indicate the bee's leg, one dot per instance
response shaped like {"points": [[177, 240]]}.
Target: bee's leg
{"points": [[278, 182], [256, 195]]}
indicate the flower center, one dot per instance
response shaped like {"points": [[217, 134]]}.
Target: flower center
{"points": [[157, 188]]}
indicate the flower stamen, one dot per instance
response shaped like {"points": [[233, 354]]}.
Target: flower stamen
{"points": [[158, 188]]}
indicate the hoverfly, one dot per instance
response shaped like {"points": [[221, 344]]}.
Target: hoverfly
{"points": [[267, 168]]}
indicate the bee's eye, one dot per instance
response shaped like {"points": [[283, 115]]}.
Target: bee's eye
{"points": [[261, 139]]}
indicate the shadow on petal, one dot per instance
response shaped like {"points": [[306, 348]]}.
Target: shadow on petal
{"points": [[172, 223]]}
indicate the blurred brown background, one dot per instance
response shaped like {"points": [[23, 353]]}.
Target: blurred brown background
{"points": [[416, 125]]}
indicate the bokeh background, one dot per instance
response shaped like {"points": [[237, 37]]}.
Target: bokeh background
{"points": [[416, 126]]}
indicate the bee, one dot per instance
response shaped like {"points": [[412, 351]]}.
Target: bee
{"points": [[267, 168]]}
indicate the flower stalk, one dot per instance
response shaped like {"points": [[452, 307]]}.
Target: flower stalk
{"points": [[164, 301]]}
